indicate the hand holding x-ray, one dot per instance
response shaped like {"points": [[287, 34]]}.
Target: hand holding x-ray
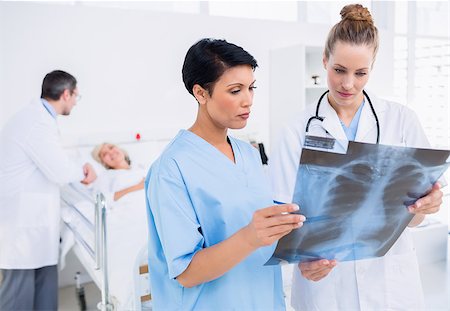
{"points": [[357, 204], [270, 224], [430, 203], [317, 269]]}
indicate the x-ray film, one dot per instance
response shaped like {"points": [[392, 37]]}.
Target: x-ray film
{"points": [[355, 203]]}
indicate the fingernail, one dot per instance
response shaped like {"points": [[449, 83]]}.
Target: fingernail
{"points": [[296, 207]]}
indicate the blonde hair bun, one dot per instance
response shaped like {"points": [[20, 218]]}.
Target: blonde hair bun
{"points": [[356, 12], [356, 27]]}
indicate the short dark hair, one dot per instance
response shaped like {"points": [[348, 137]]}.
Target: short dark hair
{"points": [[208, 59], [56, 82]]}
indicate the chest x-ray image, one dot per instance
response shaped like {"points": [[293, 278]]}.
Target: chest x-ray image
{"points": [[355, 203]]}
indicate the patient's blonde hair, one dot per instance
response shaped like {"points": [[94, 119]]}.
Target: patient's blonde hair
{"points": [[96, 154]]}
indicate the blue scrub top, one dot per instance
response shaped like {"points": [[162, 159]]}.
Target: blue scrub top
{"points": [[197, 197]]}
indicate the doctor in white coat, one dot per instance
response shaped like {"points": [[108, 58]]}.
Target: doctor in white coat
{"points": [[391, 282], [32, 167]]}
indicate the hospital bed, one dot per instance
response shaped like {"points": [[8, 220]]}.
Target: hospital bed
{"points": [[110, 245], [110, 242]]}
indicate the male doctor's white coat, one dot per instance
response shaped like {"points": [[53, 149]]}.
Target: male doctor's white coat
{"points": [[391, 282], [32, 166]]}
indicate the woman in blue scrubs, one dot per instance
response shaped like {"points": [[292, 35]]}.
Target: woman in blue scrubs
{"points": [[212, 222]]}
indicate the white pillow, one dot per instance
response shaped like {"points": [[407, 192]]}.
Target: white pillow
{"points": [[82, 155], [144, 153]]}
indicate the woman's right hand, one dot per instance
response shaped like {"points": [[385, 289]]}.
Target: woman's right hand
{"points": [[272, 223], [267, 226]]}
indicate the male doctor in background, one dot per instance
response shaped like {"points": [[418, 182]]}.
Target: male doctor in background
{"points": [[33, 165]]}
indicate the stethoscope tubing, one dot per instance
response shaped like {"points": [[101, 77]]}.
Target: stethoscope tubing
{"points": [[317, 117]]}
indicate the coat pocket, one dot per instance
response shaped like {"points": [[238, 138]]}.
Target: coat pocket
{"points": [[403, 283]]}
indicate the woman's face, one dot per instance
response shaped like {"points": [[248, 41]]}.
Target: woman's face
{"points": [[112, 156], [231, 99], [348, 69]]}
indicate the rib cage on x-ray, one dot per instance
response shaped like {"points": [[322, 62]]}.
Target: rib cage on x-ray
{"points": [[355, 203]]}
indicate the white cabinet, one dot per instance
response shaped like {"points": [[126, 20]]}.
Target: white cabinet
{"points": [[315, 74], [291, 84]]}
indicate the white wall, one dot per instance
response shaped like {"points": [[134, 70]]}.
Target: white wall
{"points": [[128, 63], [2, 61]]}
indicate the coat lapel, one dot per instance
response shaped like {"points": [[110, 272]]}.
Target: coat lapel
{"points": [[333, 126], [367, 127]]}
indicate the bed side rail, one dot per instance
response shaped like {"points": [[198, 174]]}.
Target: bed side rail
{"points": [[101, 251]]}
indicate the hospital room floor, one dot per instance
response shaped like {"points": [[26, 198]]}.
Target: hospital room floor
{"points": [[68, 299], [435, 281]]}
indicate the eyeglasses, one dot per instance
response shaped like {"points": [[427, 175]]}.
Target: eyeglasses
{"points": [[77, 96]]}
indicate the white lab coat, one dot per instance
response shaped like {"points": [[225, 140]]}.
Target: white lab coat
{"points": [[391, 282], [32, 166]]}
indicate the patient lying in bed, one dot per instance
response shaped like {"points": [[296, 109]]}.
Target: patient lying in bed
{"points": [[122, 183], [120, 178]]}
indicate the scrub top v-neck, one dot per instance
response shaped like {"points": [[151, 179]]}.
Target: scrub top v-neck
{"points": [[196, 198]]}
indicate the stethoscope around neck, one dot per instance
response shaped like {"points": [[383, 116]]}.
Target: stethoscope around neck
{"points": [[317, 117]]}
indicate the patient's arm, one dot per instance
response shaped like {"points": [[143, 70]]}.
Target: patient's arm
{"points": [[121, 193]]}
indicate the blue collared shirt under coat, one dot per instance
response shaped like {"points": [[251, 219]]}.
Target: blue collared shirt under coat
{"points": [[51, 110]]}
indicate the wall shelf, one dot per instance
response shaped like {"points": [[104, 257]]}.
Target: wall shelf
{"points": [[292, 69]]}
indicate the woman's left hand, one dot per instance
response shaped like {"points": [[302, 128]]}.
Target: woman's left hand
{"points": [[429, 204], [316, 270]]}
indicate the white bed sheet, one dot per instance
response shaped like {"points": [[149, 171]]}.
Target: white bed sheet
{"points": [[127, 239]]}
